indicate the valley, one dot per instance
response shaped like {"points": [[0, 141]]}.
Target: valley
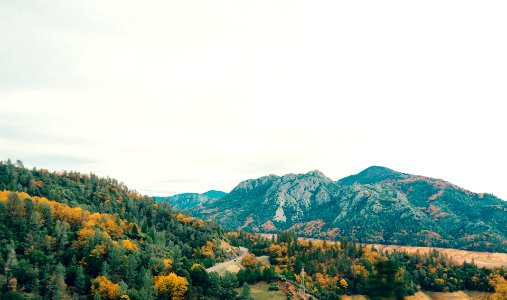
{"points": [[68, 235]]}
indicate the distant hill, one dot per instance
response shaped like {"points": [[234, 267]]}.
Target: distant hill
{"points": [[377, 205], [191, 200], [215, 194]]}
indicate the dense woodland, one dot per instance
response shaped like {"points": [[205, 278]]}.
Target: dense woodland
{"points": [[68, 235], [96, 237]]}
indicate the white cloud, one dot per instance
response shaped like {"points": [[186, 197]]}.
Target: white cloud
{"points": [[215, 92]]}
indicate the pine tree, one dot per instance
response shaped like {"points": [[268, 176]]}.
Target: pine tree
{"points": [[117, 262], [200, 277], [135, 231], [80, 281], [245, 292], [147, 284], [3, 210], [57, 286], [131, 272], [71, 271], [61, 234], [123, 287], [15, 213], [12, 261], [104, 270]]}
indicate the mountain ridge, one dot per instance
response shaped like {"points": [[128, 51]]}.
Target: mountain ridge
{"points": [[376, 205]]}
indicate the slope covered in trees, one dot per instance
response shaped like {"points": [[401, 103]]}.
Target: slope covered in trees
{"points": [[66, 234]]}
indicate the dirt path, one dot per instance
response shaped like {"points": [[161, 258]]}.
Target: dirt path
{"points": [[229, 265]]}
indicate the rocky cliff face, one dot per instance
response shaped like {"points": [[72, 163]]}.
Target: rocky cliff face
{"points": [[294, 195], [377, 205]]}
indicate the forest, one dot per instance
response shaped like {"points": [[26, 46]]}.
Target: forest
{"points": [[67, 235], [78, 236]]}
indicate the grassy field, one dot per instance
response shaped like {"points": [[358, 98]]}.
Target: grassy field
{"points": [[260, 291], [461, 295]]}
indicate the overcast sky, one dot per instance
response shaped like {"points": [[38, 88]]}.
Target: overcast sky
{"points": [[179, 96]]}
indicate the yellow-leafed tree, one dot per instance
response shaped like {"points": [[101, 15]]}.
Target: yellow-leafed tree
{"points": [[500, 285], [105, 288], [128, 244], [171, 285]]}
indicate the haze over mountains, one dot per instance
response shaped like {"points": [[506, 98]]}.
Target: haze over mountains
{"points": [[377, 205]]}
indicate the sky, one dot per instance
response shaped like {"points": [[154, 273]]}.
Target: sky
{"points": [[187, 96]]}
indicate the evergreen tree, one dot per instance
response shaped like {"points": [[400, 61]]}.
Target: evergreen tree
{"points": [[200, 277], [12, 261], [80, 281], [61, 235], [58, 288], [245, 292], [72, 271], [227, 285], [131, 272], [104, 270], [383, 283]]}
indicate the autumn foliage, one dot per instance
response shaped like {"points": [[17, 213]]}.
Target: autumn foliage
{"points": [[249, 260], [171, 285], [66, 235], [500, 285], [105, 288]]}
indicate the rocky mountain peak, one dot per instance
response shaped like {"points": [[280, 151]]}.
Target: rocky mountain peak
{"points": [[250, 184], [316, 173], [377, 205]]}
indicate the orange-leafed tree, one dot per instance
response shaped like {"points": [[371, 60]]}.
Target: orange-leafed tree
{"points": [[249, 261], [207, 250]]}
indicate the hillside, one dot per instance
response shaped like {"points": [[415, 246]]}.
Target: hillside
{"points": [[377, 205], [66, 235]]}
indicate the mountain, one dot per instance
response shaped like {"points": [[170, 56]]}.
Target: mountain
{"points": [[215, 194], [371, 175], [377, 205], [191, 200]]}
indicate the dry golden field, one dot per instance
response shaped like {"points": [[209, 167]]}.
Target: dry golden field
{"points": [[482, 259]]}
